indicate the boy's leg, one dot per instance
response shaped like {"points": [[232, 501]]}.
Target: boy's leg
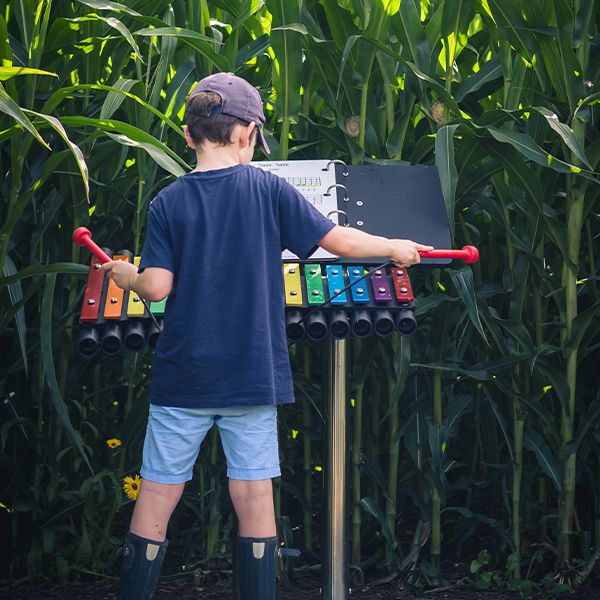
{"points": [[173, 438], [146, 544], [253, 504], [153, 508], [249, 439], [256, 544]]}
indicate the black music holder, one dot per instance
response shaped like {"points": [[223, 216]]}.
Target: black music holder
{"points": [[394, 201]]}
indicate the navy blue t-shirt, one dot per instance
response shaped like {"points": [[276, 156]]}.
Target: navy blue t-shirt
{"points": [[221, 234]]}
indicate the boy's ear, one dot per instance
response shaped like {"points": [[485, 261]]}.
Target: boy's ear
{"points": [[188, 138], [246, 134]]}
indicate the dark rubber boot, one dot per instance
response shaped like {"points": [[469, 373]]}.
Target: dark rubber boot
{"points": [[254, 568], [142, 561]]}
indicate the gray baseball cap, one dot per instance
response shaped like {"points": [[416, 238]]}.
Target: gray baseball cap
{"points": [[238, 99]]}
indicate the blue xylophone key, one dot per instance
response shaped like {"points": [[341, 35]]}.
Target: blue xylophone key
{"points": [[335, 281], [360, 292]]}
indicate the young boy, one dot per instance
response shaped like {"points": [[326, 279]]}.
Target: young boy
{"points": [[213, 245]]}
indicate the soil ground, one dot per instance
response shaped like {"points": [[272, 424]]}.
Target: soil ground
{"points": [[305, 586]]}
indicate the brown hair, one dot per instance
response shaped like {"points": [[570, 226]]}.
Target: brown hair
{"points": [[205, 124]]}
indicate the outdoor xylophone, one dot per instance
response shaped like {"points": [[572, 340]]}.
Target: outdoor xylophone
{"points": [[321, 300]]}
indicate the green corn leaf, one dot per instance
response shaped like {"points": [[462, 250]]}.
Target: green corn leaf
{"points": [[111, 6], [408, 423], [114, 99], [340, 22], [513, 27], [548, 462], [287, 69], [10, 72], [580, 325], [566, 133], [74, 148], [490, 71], [15, 292], [502, 424], [444, 160], [457, 406], [129, 135], [253, 49], [409, 24], [582, 111], [12, 109], [585, 424], [432, 83], [119, 89], [463, 281], [456, 17], [200, 43], [157, 154], [35, 270], [369, 505], [526, 145], [48, 362], [518, 171], [477, 374], [118, 26]]}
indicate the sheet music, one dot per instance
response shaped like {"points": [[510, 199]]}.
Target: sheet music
{"points": [[312, 179]]}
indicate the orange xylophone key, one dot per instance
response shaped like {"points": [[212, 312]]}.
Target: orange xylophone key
{"points": [[113, 305]]}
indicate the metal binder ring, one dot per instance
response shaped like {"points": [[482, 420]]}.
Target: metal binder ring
{"points": [[338, 185], [336, 161], [340, 212]]}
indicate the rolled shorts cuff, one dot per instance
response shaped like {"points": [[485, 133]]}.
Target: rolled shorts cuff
{"points": [[253, 474], [165, 478]]}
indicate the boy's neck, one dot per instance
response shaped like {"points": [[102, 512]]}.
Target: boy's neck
{"points": [[213, 157]]}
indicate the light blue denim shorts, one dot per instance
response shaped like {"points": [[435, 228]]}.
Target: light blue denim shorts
{"points": [[173, 438]]}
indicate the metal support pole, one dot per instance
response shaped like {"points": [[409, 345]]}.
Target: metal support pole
{"points": [[335, 550]]}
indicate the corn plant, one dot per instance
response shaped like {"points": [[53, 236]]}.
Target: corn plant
{"points": [[481, 429]]}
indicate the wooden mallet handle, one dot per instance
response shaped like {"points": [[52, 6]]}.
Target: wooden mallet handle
{"points": [[82, 236]]}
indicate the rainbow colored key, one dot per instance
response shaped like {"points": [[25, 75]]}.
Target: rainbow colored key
{"points": [[335, 281], [314, 284], [113, 306], [360, 291], [381, 286], [93, 293], [135, 307], [158, 308], [292, 284]]}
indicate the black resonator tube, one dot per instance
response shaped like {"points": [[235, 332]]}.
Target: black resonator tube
{"points": [[384, 323], [294, 327], [316, 326], [89, 340], [112, 338], [361, 323], [406, 322], [339, 327]]}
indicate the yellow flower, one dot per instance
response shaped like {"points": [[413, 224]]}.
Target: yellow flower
{"points": [[113, 443], [131, 486]]}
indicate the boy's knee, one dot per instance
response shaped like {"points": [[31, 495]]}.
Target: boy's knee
{"points": [[246, 490]]}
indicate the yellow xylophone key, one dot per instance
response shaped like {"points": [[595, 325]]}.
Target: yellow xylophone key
{"points": [[135, 307], [293, 287]]}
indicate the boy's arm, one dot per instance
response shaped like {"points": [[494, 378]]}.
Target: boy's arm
{"points": [[153, 283], [353, 243]]}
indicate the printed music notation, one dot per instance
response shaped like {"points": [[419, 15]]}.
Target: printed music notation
{"points": [[314, 181], [301, 182]]}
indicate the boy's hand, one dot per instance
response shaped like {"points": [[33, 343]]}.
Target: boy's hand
{"points": [[406, 252], [121, 272]]}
